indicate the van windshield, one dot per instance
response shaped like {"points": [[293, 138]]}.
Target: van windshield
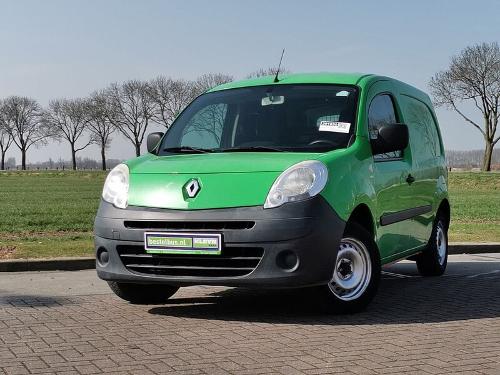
{"points": [[275, 118]]}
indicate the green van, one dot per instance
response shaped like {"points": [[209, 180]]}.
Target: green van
{"points": [[315, 180]]}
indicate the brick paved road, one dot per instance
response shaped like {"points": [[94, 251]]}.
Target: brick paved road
{"points": [[67, 322]]}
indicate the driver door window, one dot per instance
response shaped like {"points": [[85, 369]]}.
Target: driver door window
{"points": [[382, 112]]}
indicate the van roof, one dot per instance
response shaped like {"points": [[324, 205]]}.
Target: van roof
{"points": [[362, 80], [325, 77]]}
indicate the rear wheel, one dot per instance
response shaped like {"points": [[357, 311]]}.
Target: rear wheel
{"points": [[143, 293], [356, 274], [433, 260]]}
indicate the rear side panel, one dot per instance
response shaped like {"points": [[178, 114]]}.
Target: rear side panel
{"points": [[428, 168]]}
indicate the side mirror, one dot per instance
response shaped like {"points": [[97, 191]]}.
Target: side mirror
{"points": [[391, 137], [153, 140]]}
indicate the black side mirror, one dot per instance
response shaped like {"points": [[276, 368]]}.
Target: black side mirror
{"points": [[153, 140], [391, 137]]}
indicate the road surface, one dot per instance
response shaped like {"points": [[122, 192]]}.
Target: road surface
{"points": [[70, 323]]}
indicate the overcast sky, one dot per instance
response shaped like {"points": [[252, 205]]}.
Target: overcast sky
{"points": [[53, 49]]}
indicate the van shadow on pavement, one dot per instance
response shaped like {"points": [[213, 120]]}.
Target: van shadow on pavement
{"points": [[403, 298]]}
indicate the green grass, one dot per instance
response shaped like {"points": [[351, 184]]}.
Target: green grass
{"points": [[47, 245], [49, 201], [475, 205], [50, 214]]}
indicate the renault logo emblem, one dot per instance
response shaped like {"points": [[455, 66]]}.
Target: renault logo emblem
{"points": [[192, 188]]}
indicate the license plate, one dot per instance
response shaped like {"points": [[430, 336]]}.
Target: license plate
{"points": [[182, 243]]}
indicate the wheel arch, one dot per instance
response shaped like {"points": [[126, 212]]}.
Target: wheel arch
{"points": [[444, 210], [362, 216]]}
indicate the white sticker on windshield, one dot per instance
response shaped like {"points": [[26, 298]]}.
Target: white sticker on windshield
{"points": [[334, 126]]}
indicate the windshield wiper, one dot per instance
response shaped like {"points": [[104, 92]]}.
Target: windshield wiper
{"points": [[187, 149], [252, 149], [196, 150]]}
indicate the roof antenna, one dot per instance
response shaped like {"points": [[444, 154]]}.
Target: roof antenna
{"points": [[279, 66]]}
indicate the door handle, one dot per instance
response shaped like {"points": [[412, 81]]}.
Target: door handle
{"points": [[410, 179]]}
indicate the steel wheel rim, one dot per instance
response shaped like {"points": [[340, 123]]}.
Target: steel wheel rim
{"points": [[441, 244], [353, 270]]}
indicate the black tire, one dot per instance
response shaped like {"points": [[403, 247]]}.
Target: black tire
{"points": [[143, 294], [354, 236], [433, 260]]}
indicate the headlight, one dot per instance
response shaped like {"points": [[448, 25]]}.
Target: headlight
{"points": [[115, 189], [301, 181]]}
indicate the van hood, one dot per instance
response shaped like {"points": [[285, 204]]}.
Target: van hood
{"points": [[227, 162], [225, 179]]}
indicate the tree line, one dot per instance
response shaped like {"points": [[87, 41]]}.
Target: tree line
{"points": [[128, 108], [469, 159]]}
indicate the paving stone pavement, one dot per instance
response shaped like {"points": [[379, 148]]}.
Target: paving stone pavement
{"points": [[445, 325]]}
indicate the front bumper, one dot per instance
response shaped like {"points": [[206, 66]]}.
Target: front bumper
{"points": [[290, 246]]}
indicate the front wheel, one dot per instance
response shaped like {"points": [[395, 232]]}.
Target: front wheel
{"points": [[143, 293], [356, 275]]}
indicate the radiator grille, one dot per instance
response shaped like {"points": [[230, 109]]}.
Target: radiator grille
{"points": [[233, 262], [188, 225]]}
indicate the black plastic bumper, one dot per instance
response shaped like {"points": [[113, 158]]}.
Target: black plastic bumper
{"points": [[311, 230]]}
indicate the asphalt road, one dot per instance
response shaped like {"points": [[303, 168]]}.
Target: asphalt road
{"points": [[69, 322]]}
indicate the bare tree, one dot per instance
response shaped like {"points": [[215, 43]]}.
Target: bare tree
{"points": [[170, 97], [271, 71], [209, 81], [5, 143], [5, 139], [22, 119], [99, 124], [473, 75], [67, 119], [130, 109]]}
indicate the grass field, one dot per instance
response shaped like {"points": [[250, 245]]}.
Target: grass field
{"points": [[49, 214], [475, 206]]}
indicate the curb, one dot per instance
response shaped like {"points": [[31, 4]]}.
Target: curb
{"points": [[55, 264], [473, 247], [81, 263]]}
